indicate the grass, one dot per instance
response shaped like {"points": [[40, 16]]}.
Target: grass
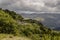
{"points": [[12, 37]]}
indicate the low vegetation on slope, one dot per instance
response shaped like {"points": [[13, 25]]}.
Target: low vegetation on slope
{"points": [[12, 23], [12, 37]]}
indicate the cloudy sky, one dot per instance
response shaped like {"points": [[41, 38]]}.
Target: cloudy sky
{"points": [[31, 6]]}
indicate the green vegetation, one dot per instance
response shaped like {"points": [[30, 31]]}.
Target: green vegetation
{"points": [[14, 24], [12, 37]]}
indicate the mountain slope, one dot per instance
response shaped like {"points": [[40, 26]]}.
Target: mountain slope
{"points": [[12, 23]]}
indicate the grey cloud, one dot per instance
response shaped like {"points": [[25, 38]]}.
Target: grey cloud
{"points": [[31, 5], [50, 4], [58, 3]]}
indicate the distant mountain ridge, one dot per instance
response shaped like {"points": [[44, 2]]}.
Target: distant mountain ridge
{"points": [[49, 19]]}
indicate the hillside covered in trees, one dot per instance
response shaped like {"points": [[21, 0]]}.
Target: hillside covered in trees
{"points": [[15, 24]]}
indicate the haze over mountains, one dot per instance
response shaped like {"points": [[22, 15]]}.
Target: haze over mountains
{"points": [[52, 20]]}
